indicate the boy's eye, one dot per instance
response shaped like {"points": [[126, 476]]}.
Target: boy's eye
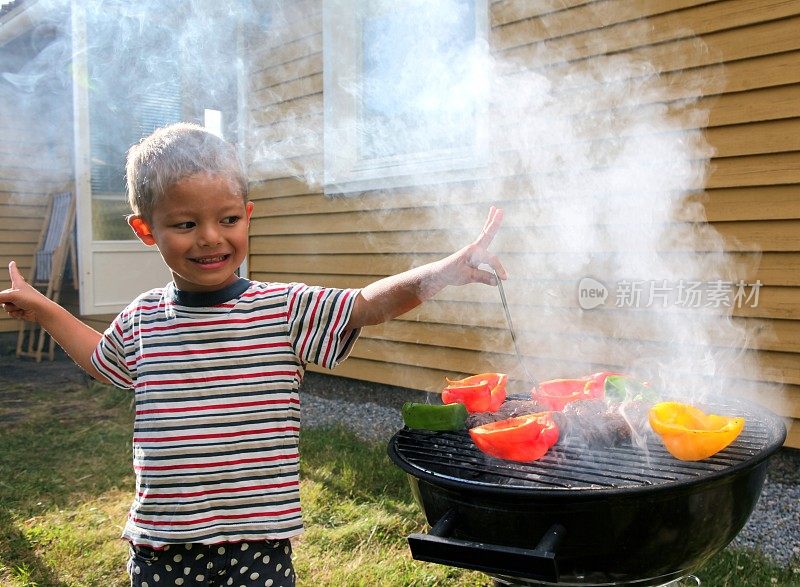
{"points": [[230, 220], [188, 224]]}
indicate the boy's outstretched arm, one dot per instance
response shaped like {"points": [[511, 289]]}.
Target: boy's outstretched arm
{"points": [[25, 302], [394, 295]]}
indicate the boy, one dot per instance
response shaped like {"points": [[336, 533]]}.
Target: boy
{"points": [[216, 361]]}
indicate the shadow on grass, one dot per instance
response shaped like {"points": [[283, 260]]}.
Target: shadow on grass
{"points": [[68, 448], [16, 552], [352, 469], [60, 462]]}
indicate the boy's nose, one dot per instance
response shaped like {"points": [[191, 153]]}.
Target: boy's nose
{"points": [[209, 236]]}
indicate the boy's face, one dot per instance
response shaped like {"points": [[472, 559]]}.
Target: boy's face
{"points": [[200, 228]]}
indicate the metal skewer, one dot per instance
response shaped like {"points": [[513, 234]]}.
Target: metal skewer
{"points": [[503, 299]]}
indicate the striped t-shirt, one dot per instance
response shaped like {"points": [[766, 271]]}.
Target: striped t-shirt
{"points": [[215, 376]]}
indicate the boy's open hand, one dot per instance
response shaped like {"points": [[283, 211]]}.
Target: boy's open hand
{"points": [[392, 296], [463, 265], [18, 300]]}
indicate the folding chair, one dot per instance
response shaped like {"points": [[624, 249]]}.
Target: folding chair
{"points": [[56, 244]]}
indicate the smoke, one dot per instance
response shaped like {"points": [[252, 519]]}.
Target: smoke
{"points": [[596, 153], [33, 70], [597, 157]]}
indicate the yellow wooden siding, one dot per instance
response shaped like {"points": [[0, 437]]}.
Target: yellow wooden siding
{"points": [[751, 194]]}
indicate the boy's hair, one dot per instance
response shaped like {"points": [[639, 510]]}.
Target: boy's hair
{"points": [[171, 154]]}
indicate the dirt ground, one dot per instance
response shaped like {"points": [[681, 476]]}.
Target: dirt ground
{"points": [[18, 377]]}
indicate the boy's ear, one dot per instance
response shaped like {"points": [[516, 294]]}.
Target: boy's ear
{"points": [[141, 229], [249, 207]]}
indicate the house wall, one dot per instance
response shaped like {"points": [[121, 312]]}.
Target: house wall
{"points": [[751, 194]]}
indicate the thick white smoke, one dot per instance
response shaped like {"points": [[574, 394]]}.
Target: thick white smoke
{"points": [[595, 157], [597, 162]]}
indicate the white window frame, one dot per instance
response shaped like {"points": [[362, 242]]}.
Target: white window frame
{"points": [[345, 171]]}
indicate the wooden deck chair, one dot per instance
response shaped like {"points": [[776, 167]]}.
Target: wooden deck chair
{"points": [[56, 244]]}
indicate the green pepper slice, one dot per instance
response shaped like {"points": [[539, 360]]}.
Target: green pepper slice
{"points": [[432, 417], [620, 388]]}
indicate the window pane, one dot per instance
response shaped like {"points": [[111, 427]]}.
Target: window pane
{"points": [[415, 96], [134, 87]]}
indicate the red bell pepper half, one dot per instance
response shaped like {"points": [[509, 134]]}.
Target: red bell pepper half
{"points": [[557, 393], [484, 392], [524, 438]]}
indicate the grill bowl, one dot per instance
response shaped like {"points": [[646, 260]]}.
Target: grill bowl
{"points": [[625, 515]]}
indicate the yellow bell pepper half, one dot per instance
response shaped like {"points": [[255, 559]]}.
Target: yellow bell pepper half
{"points": [[689, 434]]}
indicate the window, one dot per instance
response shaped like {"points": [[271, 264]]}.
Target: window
{"points": [[403, 92], [149, 66], [129, 97]]}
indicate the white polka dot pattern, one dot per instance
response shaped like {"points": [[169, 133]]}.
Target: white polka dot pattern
{"points": [[243, 563]]}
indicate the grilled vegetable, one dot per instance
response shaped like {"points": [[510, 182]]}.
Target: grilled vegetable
{"points": [[479, 393], [432, 417], [689, 434], [557, 393], [621, 389], [524, 439], [597, 386]]}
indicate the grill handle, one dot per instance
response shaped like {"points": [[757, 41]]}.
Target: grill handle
{"points": [[437, 547]]}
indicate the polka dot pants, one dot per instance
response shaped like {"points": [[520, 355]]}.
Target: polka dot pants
{"points": [[242, 564]]}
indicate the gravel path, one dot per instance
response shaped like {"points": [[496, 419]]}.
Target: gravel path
{"points": [[372, 412]]}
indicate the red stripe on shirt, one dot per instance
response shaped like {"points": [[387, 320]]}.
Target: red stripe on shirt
{"points": [[261, 292], [110, 369], [196, 324], [270, 514], [256, 293], [333, 329], [221, 351], [218, 491], [143, 440], [268, 402], [302, 351], [217, 463], [215, 378]]}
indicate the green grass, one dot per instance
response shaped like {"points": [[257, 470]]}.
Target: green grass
{"points": [[66, 485]]}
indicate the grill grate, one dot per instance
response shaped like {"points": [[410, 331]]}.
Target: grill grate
{"points": [[451, 458]]}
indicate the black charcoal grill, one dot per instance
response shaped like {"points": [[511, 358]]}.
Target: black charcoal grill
{"points": [[584, 516]]}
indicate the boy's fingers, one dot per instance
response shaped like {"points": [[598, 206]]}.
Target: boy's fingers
{"points": [[492, 211], [500, 270], [16, 276], [490, 228], [491, 265], [482, 276], [496, 266]]}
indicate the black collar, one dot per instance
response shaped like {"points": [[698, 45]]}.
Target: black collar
{"points": [[206, 299]]}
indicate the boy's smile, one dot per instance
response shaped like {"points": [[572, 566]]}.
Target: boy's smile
{"points": [[200, 228]]}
